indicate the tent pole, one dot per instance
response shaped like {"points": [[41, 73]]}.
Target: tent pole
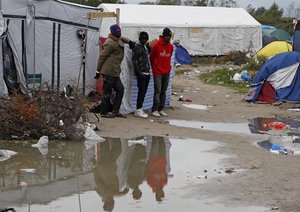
{"points": [[34, 61], [83, 58]]}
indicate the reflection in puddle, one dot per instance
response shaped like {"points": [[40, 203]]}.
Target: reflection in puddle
{"points": [[117, 174], [196, 106], [220, 127]]}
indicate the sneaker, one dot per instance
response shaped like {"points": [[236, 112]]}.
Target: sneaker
{"points": [[162, 113], [141, 113], [155, 113]]}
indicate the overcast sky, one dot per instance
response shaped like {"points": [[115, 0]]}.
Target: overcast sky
{"points": [[244, 3]]}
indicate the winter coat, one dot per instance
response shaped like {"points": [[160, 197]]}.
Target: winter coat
{"points": [[111, 56], [140, 59], [160, 57]]}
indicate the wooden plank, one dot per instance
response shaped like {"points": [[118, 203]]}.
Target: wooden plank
{"points": [[101, 14]]}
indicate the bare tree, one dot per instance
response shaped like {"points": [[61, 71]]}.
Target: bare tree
{"points": [[297, 13], [290, 9], [250, 9], [227, 3]]}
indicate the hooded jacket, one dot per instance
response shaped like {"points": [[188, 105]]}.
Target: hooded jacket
{"points": [[160, 57], [140, 59], [111, 56]]}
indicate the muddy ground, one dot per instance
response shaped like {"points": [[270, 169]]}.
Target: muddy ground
{"points": [[269, 180]]}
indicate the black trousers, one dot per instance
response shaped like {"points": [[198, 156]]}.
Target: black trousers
{"points": [[160, 87], [142, 83], [109, 84]]}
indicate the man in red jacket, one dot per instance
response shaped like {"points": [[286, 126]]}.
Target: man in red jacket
{"points": [[160, 57]]}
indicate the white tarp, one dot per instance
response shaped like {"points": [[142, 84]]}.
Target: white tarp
{"points": [[42, 34], [283, 77], [129, 81], [201, 30]]}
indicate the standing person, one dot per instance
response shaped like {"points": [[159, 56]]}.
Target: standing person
{"points": [[109, 67], [160, 57], [141, 64]]}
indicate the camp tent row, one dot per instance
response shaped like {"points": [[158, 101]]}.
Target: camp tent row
{"points": [[201, 30], [43, 37], [40, 37]]}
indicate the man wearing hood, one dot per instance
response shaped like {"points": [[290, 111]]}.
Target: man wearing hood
{"points": [[160, 57], [109, 67]]}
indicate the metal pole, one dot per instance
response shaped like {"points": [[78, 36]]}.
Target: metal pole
{"points": [[34, 62]]}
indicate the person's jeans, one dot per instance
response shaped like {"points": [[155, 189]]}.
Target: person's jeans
{"points": [[142, 83], [109, 84], [160, 87]]}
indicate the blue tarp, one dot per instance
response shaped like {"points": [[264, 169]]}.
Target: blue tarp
{"points": [[280, 61], [182, 56]]}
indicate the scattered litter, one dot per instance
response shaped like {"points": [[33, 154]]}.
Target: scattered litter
{"points": [[184, 100], [278, 148], [237, 78], [196, 106], [296, 139], [139, 141], [277, 125], [31, 171], [229, 170], [294, 109], [90, 134], [227, 96], [43, 142], [61, 123], [201, 177], [245, 76], [93, 126], [274, 208], [6, 154], [215, 91], [23, 184]]}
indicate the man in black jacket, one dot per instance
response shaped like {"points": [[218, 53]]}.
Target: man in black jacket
{"points": [[141, 64]]}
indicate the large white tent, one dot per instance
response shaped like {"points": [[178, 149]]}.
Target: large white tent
{"points": [[201, 30], [42, 36]]}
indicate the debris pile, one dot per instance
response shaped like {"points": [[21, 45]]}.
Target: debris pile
{"points": [[48, 112]]}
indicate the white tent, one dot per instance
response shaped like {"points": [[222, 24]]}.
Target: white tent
{"points": [[201, 30], [42, 35]]}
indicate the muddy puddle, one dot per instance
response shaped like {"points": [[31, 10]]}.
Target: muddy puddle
{"points": [[284, 134], [241, 128], [142, 174]]}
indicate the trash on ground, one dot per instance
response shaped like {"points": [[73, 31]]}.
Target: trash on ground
{"points": [[43, 142], [31, 171], [90, 134], [184, 100], [294, 109], [197, 106], [138, 141], [23, 184], [241, 77], [6, 154], [277, 125]]}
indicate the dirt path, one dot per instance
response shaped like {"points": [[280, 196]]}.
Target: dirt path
{"points": [[268, 180]]}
